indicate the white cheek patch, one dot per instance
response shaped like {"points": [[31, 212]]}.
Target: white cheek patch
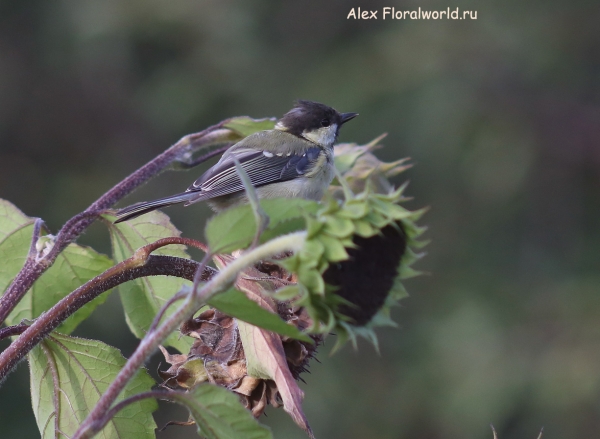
{"points": [[267, 154], [322, 136]]}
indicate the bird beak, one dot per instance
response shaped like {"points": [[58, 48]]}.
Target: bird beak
{"points": [[347, 116]]}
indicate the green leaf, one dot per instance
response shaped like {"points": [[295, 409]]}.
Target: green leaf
{"points": [[220, 415], [143, 298], [235, 228], [68, 377], [16, 230], [235, 303], [245, 125], [73, 267], [283, 228]]}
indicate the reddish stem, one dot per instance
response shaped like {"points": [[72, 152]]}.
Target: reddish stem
{"points": [[141, 264]]}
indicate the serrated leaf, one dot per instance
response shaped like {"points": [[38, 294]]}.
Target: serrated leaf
{"points": [[16, 230], [72, 268], [235, 228], [68, 377], [143, 298], [235, 303], [245, 125], [220, 415]]}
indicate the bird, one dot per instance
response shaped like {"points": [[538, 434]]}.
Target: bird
{"points": [[292, 160]]}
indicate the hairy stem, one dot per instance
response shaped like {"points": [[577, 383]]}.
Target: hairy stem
{"points": [[96, 420], [156, 394], [9, 331], [141, 264]]}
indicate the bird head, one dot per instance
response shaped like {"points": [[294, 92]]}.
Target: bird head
{"points": [[314, 122]]}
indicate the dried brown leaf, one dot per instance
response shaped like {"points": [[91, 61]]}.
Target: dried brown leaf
{"points": [[266, 359]]}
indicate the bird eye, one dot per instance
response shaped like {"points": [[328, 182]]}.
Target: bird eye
{"points": [[325, 123]]}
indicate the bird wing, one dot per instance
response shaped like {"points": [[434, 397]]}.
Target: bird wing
{"points": [[263, 167]]}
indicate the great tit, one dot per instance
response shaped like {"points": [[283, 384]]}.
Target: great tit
{"points": [[295, 159]]}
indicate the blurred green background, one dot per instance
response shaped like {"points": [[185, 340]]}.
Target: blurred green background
{"points": [[501, 116]]}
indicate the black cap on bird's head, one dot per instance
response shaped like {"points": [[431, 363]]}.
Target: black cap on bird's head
{"points": [[309, 116]]}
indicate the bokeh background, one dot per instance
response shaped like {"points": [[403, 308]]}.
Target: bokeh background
{"points": [[501, 116]]}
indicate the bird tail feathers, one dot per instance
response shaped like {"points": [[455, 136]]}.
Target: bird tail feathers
{"points": [[138, 209]]}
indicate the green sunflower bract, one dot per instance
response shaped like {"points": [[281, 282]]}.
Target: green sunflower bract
{"points": [[358, 249]]}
